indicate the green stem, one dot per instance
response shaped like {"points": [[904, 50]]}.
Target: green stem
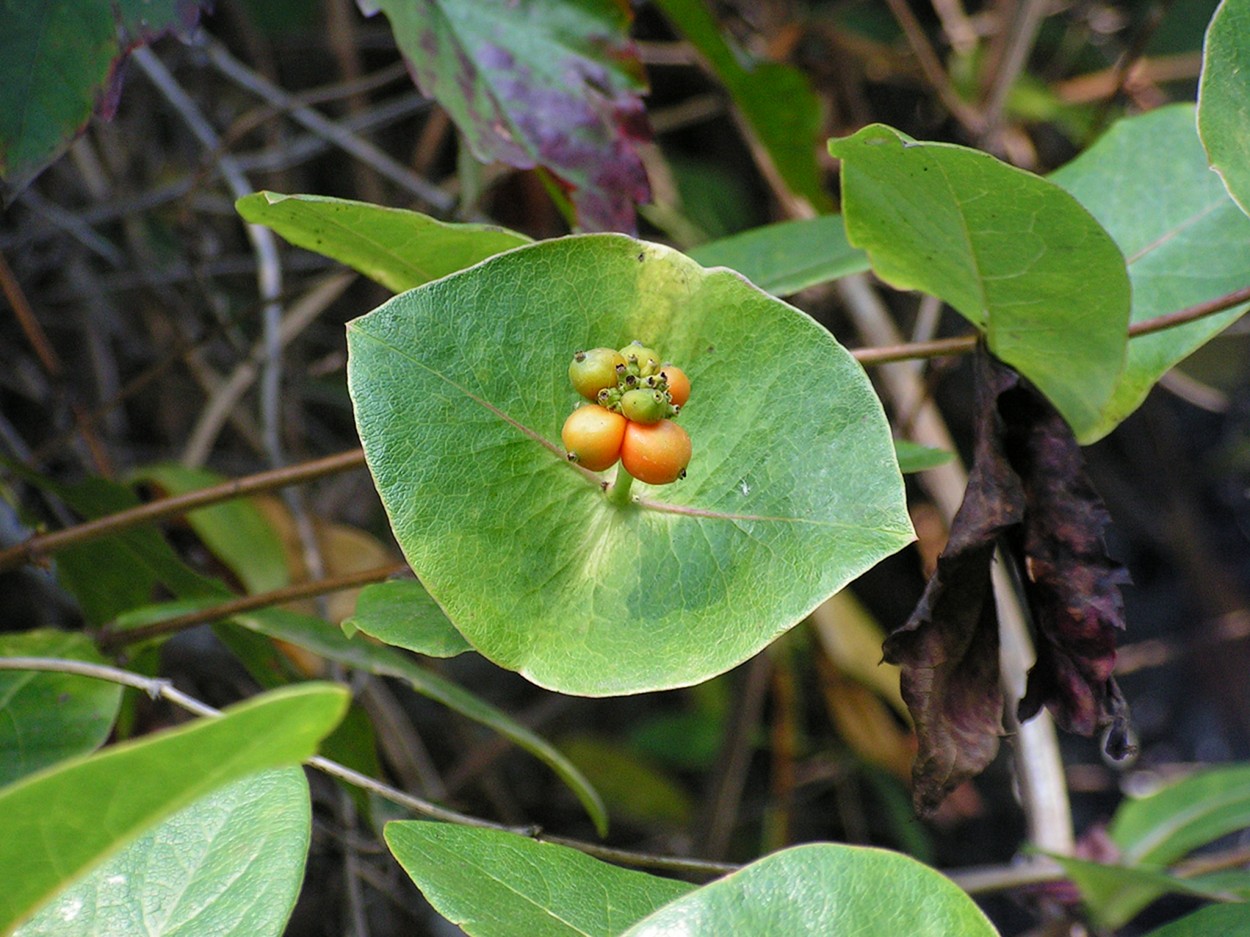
{"points": [[618, 492]]}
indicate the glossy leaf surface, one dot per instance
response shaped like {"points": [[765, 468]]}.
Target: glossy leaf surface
{"points": [[1017, 256], [1185, 240], [60, 823], [496, 884], [1224, 97], [47, 717], [399, 249], [460, 388], [823, 889], [230, 865]]}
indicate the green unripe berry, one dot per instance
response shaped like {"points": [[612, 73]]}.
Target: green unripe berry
{"points": [[645, 406], [595, 370], [647, 359]]}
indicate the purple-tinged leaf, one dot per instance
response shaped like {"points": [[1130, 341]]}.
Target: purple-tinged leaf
{"points": [[552, 83], [60, 61], [1028, 494]]}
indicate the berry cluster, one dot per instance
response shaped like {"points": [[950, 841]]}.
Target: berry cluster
{"points": [[634, 399]]}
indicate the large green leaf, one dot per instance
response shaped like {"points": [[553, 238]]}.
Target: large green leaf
{"points": [[60, 823], [229, 865], [553, 83], [236, 531], [1185, 240], [1224, 97], [775, 99], [48, 717], [1017, 256], [460, 386], [1220, 920], [1164, 826], [788, 256], [400, 249], [402, 614], [496, 884], [59, 61], [824, 889]]}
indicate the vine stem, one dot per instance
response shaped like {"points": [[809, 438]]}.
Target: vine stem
{"points": [[35, 548]]}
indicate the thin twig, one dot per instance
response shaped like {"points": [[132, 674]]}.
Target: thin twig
{"points": [[42, 545], [246, 603], [931, 67]]}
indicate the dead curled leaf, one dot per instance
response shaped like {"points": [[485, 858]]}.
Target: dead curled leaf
{"points": [[1028, 493]]}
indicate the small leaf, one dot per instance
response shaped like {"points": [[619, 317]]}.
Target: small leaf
{"points": [[59, 824], [49, 717], [1165, 208], [823, 889], [633, 787], [230, 864], [1160, 828], [460, 386], [789, 132], [402, 614], [913, 457], [60, 60], [496, 884], [1017, 256], [397, 248], [1220, 920], [788, 256], [547, 83], [1224, 98]]}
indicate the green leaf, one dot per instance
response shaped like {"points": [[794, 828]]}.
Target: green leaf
{"points": [[496, 884], [1017, 256], [775, 99], [632, 786], [913, 457], [551, 83], [1166, 210], [397, 248], [59, 824], [460, 386], [1224, 98], [402, 614], [329, 642], [1164, 826], [823, 889], [47, 717], [59, 61], [788, 256], [236, 532], [230, 864], [1115, 894], [1220, 920]]}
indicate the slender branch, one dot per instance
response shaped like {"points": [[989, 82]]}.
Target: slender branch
{"points": [[1191, 314], [161, 688], [35, 548], [109, 639]]}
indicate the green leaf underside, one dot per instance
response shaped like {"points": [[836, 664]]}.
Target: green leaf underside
{"points": [[788, 256], [48, 717], [776, 99], [1221, 920], [460, 388], [1164, 826], [230, 864], [1115, 894], [823, 889], [497, 884], [1184, 239], [551, 82], [1013, 253], [402, 614], [399, 249], [1224, 98], [58, 824], [57, 59]]}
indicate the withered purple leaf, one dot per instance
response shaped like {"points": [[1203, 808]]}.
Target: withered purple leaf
{"points": [[1028, 494]]}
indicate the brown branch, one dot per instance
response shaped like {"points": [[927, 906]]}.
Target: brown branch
{"points": [[39, 546], [110, 640]]}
